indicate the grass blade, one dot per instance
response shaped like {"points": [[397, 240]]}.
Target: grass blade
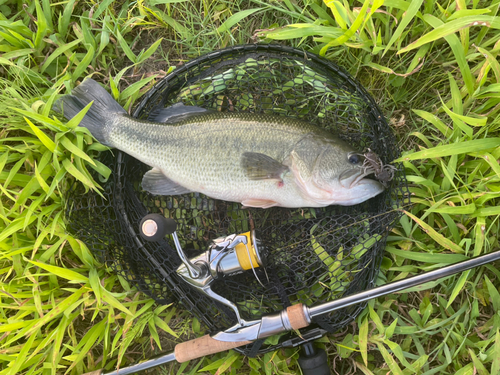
{"points": [[58, 309], [495, 365], [427, 258], [439, 238], [84, 64], [235, 18], [354, 27], [150, 50], [458, 51], [494, 294], [300, 30], [492, 60], [478, 366], [47, 142], [476, 145], [363, 340], [458, 287], [466, 119], [77, 174], [338, 12], [103, 5], [452, 27], [72, 276], [487, 211], [389, 359], [66, 16], [407, 18], [70, 146], [23, 354], [42, 27], [59, 50], [124, 45]]}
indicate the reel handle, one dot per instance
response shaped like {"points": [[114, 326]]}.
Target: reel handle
{"points": [[154, 227]]}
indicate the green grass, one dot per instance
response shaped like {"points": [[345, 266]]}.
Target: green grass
{"points": [[435, 75]]}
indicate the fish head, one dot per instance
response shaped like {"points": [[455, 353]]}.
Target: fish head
{"points": [[336, 176]]}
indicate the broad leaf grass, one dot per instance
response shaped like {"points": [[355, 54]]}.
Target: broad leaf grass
{"points": [[432, 66]]}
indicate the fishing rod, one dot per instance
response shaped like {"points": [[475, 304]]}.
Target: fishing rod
{"points": [[293, 318]]}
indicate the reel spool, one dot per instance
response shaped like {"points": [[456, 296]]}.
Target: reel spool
{"points": [[307, 256]]}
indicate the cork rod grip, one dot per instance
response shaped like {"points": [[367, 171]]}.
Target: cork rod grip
{"points": [[297, 316], [203, 346]]}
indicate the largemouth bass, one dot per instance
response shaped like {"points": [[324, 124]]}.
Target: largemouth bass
{"points": [[255, 159]]}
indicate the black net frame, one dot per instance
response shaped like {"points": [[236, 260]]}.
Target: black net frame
{"points": [[314, 255]]}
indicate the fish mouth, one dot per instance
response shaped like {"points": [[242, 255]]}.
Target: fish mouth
{"points": [[352, 177], [358, 187], [363, 190]]}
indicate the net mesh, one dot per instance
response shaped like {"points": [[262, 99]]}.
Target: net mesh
{"points": [[313, 255]]}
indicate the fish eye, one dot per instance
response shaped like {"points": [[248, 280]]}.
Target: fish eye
{"points": [[354, 158]]}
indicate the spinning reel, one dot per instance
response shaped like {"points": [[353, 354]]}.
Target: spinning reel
{"points": [[226, 256]]}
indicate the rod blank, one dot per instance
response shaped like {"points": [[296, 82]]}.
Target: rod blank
{"points": [[397, 286]]}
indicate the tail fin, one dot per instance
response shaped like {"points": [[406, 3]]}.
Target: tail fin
{"points": [[103, 108]]}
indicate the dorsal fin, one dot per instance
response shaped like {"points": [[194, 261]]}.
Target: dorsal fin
{"points": [[175, 113]]}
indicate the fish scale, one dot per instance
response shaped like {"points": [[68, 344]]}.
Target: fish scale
{"points": [[204, 153], [259, 160]]}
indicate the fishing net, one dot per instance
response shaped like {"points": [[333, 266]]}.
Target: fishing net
{"points": [[313, 255]]}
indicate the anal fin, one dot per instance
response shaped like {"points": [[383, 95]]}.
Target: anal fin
{"points": [[259, 203], [155, 182]]}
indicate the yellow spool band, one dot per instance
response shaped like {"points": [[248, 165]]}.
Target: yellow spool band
{"points": [[242, 254]]}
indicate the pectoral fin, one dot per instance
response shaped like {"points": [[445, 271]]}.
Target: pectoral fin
{"points": [[155, 182], [262, 167]]}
